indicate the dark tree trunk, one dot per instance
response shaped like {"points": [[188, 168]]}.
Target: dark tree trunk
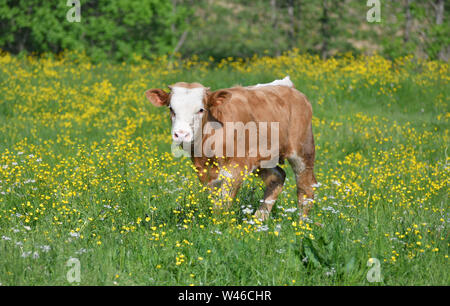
{"points": [[291, 14], [408, 21], [439, 9], [325, 28], [273, 6]]}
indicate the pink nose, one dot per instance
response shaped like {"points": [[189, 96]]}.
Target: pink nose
{"points": [[181, 135]]}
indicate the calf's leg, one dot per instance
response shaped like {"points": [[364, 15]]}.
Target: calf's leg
{"points": [[226, 187], [304, 176], [273, 179]]}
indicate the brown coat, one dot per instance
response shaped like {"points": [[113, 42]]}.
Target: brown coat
{"points": [[282, 105]]}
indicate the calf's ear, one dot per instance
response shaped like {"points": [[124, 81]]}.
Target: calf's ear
{"points": [[157, 96], [218, 97]]}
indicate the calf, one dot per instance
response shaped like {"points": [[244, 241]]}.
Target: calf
{"points": [[221, 129]]}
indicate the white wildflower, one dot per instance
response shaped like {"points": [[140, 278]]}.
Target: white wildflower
{"points": [[45, 248], [331, 272], [26, 254], [73, 234], [247, 211], [81, 251], [263, 228]]}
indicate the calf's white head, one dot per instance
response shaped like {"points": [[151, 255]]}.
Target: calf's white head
{"points": [[188, 104]]}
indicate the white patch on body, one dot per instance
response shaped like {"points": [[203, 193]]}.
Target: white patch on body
{"points": [[284, 82], [186, 104], [297, 163], [267, 201]]}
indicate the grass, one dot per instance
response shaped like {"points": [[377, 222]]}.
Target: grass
{"points": [[86, 172]]}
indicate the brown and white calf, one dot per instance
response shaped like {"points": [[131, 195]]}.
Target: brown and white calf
{"points": [[195, 109]]}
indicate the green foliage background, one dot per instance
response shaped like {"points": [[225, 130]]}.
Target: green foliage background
{"points": [[108, 29], [120, 30]]}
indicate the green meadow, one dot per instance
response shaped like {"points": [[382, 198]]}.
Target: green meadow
{"points": [[87, 176]]}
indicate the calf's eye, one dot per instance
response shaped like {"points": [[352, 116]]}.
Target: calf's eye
{"points": [[201, 110]]}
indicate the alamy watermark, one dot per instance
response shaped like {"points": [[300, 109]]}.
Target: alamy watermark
{"points": [[74, 273], [374, 13], [374, 273], [74, 13], [230, 140]]}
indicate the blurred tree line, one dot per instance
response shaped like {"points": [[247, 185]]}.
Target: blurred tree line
{"points": [[121, 29]]}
